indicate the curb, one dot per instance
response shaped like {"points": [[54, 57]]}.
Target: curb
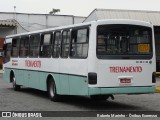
{"points": [[158, 88]]}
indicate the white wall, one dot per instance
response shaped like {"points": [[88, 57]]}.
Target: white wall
{"points": [[32, 22]]}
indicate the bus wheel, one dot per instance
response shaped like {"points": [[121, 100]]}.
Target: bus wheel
{"points": [[52, 91], [15, 86]]}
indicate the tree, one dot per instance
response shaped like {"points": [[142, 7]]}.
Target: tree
{"points": [[54, 11]]}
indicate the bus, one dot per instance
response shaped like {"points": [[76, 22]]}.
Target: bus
{"points": [[97, 59]]}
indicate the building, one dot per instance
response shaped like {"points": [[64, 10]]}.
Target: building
{"points": [[13, 23], [149, 16]]}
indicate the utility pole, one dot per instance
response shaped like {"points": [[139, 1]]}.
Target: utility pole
{"points": [[15, 19], [15, 12]]}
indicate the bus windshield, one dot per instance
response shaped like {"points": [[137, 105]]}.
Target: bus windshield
{"points": [[121, 41]]}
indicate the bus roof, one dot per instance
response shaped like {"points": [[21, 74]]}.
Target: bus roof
{"points": [[50, 29], [109, 21]]}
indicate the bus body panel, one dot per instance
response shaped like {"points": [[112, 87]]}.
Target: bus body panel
{"points": [[78, 85], [121, 90], [67, 81], [109, 71], [6, 75], [66, 84]]}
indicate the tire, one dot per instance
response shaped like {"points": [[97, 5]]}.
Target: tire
{"points": [[15, 86], [52, 91]]}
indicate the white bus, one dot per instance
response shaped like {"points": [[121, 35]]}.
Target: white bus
{"points": [[97, 59]]}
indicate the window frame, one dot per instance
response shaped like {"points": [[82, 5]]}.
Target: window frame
{"points": [[17, 51], [64, 44], [59, 44], [24, 37], [125, 56], [7, 48], [34, 46], [87, 41], [42, 44]]}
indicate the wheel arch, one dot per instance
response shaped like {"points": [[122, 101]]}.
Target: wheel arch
{"points": [[56, 81], [49, 77]]}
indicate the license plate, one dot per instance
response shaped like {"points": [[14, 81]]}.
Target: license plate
{"points": [[125, 81]]}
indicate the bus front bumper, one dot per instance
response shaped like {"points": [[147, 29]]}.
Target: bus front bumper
{"points": [[122, 90]]}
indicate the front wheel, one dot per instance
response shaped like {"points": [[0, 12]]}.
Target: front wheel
{"points": [[15, 86], [52, 91]]}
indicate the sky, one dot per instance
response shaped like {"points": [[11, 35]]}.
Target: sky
{"points": [[76, 7]]}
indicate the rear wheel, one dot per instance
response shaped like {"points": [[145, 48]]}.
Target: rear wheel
{"points": [[15, 86], [52, 91]]}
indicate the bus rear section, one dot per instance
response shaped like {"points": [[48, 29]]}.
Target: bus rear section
{"points": [[125, 59]]}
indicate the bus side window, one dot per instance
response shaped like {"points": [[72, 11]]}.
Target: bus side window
{"points": [[65, 44], [24, 46], [15, 47], [79, 43], [56, 44], [45, 50], [7, 52], [34, 45]]}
